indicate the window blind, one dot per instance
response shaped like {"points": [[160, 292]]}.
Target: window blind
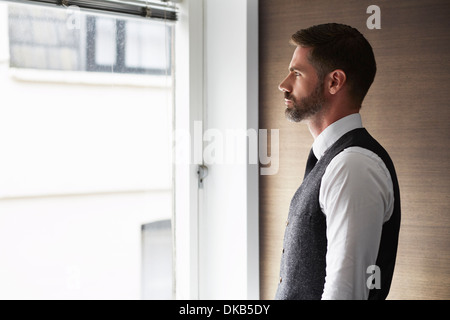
{"points": [[162, 9]]}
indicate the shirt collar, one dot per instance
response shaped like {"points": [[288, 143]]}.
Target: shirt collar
{"points": [[334, 131]]}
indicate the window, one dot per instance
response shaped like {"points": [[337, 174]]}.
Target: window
{"points": [[157, 245], [43, 39], [40, 39], [86, 153], [132, 46]]}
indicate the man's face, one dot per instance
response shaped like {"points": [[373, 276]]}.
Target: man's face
{"points": [[303, 90]]}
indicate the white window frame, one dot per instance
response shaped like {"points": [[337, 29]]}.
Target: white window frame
{"points": [[188, 110], [200, 236]]}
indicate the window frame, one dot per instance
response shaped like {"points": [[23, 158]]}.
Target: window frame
{"points": [[201, 238]]}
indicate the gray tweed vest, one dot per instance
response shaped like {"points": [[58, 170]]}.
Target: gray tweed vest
{"points": [[302, 270]]}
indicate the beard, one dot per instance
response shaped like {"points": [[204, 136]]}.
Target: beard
{"points": [[307, 106]]}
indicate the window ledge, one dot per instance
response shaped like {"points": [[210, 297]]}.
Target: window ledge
{"points": [[90, 78]]}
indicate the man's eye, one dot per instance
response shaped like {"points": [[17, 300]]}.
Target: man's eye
{"points": [[297, 74]]}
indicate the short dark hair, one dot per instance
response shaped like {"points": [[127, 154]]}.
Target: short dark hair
{"points": [[338, 46]]}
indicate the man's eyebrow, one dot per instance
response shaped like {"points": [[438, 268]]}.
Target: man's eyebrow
{"points": [[295, 68]]}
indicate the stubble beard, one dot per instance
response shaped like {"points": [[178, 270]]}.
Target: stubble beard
{"points": [[306, 107]]}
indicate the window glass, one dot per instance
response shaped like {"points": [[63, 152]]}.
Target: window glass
{"points": [[86, 157], [157, 245], [142, 53], [105, 41], [67, 39]]}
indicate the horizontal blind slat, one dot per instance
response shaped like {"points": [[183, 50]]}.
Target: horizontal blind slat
{"points": [[147, 9]]}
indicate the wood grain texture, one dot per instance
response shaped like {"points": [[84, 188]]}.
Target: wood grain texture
{"points": [[407, 110]]}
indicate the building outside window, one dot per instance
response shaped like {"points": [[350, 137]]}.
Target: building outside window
{"points": [[86, 183]]}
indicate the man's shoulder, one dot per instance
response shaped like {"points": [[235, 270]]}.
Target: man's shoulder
{"points": [[358, 161]]}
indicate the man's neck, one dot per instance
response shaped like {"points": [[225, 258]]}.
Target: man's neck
{"points": [[319, 122]]}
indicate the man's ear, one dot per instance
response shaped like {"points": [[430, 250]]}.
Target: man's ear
{"points": [[336, 80]]}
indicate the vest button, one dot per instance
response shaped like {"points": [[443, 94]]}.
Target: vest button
{"points": [[287, 222], [281, 279]]}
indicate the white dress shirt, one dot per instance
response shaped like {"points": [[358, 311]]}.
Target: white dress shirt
{"points": [[357, 197]]}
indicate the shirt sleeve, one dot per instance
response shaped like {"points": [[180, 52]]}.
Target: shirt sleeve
{"points": [[357, 197]]}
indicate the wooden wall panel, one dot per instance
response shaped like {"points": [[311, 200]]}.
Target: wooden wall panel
{"points": [[407, 110]]}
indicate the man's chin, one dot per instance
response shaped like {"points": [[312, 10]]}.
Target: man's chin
{"points": [[291, 115]]}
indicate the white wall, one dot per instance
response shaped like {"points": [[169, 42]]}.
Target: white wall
{"points": [[77, 247], [78, 136]]}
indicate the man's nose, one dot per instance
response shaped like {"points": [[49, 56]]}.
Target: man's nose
{"points": [[284, 85]]}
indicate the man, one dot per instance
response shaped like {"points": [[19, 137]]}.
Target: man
{"points": [[342, 230]]}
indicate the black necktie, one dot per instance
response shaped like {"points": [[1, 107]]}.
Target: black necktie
{"points": [[312, 160]]}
